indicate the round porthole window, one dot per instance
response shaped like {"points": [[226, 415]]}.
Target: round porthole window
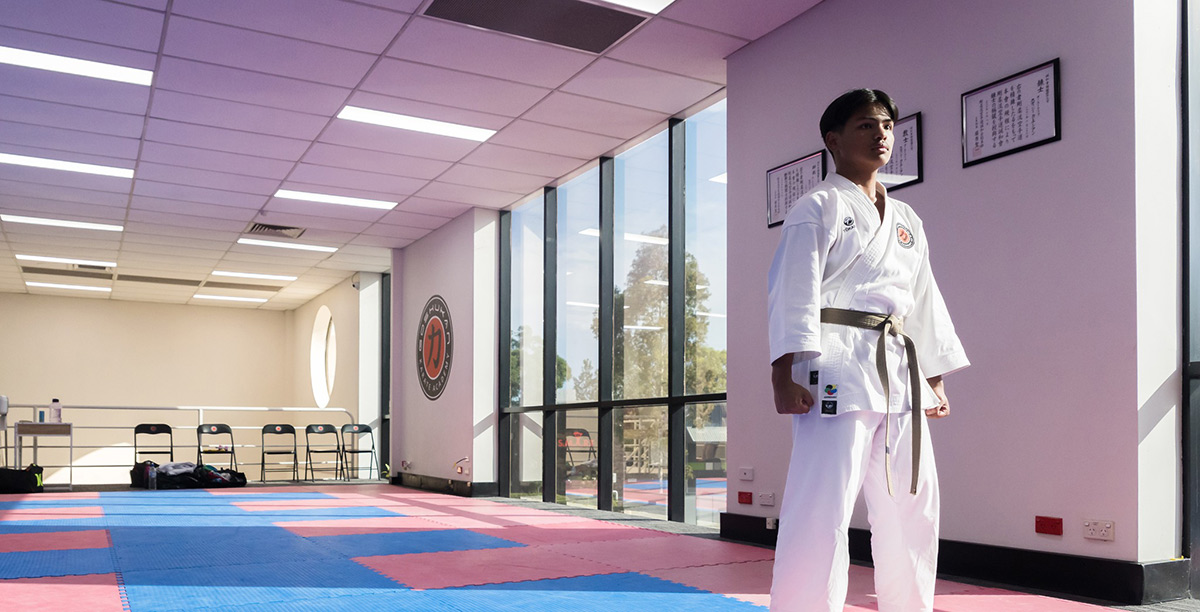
{"points": [[323, 356]]}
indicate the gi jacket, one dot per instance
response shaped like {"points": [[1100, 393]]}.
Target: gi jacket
{"points": [[835, 252]]}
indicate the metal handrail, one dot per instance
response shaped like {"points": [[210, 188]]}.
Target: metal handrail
{"points": [[198, 410]]}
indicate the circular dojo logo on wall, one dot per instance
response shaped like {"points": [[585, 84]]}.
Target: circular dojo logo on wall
{"points": [[434, 347]]}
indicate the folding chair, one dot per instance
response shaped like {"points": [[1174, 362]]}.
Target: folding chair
{"points": [[350, 447], [321, 430], [278, 429], [153, 429], [215, 429]]}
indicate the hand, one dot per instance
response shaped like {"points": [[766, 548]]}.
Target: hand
{"points": [[790, 398], [943, 408]]}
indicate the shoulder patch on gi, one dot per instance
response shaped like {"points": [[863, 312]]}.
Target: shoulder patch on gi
{"points": [[904, 236], [813, 377], [847, 224], [828, 406]]}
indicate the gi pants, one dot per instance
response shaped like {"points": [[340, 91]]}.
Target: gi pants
{"points": [[833, 458]]}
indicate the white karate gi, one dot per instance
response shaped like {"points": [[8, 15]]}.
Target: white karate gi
{"points": [[835, 252]]}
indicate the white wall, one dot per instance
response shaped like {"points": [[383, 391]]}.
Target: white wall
{"points": [[343, 303], [457, 262], [1041, 257]]}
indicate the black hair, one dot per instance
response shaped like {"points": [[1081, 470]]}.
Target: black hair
{"points": [[840, 110]]}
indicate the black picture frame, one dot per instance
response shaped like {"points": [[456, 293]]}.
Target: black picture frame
{"points": [[787, 182], [1001, 118], [907, 166]]}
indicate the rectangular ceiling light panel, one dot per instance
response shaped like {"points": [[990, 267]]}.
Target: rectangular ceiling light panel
{"points": [[72, 287], [105, 227], [67, 260], [70, 65], [333, 199], [569, 23], [286, 245], [55, 164], [278, 277], [416, 124]]}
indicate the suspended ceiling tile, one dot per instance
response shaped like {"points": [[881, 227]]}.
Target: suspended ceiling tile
{"points": [[734, 19], [242, 255], [71, 89], [16, 189], [103, 22], [388, 242], [59, 178], [556, 140], [394, 231], [57, 209], [68, 140], [438, 85], [179, 226], [163, 261], [502, 56], [185, 221], [410, 219], [345, 178], [595, 116], [474, 196], [428, 110], [170, 241], [198, 194], [130, 248], [219, 139], [21, 232], [407, 6], [238, 48], [374, 161], [440, 208], [637, 86], [193, 208], [494, 155], [38, 112], [500, 180], [391, 140], [339, 24], [77, 49], [250, 87], [179, 175], [678, 48], [188, 108], [317, 217], [352, 266], [157, 5], [217, 161]]}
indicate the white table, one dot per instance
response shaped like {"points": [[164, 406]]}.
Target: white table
{"points": [[26, 429]]}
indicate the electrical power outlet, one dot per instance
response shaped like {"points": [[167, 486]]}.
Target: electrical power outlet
{"points": [[772, 523], [1099, 530], [766, 499]]}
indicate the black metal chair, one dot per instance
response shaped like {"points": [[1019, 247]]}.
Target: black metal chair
{"points": [[215, 429], [321, 430], [153, 429], [278, 429], [350, 447]]}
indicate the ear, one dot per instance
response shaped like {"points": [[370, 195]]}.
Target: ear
{"points": [[831, 143]]}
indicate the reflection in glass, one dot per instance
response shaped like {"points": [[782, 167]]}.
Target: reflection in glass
{"points": [[640, 461], [704, 275], [577, 462], [526, 346], [527, 455], [578, 288], [640, 272], [705, 466]]}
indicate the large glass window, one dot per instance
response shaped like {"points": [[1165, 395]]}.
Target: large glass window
{"points": [[706, 485], [526, 345], [578, 288], [578, 463], [705, 264], [640, 251], [640, 461]]}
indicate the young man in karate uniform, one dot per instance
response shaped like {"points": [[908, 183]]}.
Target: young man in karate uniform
{"points": [[859, 335]]}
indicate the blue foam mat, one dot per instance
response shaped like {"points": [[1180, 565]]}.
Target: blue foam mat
{"points": [[408, 542], [626, 591], [40, 563], [190, 547]]}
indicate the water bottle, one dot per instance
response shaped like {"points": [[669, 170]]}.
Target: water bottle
{"points": [[153, 478], [55, 411]]}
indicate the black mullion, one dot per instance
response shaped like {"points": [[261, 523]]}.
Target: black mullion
{"points": [[676, 443], [505, 454], [549, 347], [385, 372], [1190, 418], [604, 475]]}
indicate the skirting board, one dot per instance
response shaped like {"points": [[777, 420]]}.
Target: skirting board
{"points": [[460, 488], [1120, 582]]}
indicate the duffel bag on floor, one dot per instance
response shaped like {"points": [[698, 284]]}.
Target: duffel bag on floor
{"points": [[28, 480]]}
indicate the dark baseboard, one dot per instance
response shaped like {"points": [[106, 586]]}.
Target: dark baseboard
{"points": [[460, 488], [1119, 582]]}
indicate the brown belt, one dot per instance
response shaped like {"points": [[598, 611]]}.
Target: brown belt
{"points": [[894, 326]]}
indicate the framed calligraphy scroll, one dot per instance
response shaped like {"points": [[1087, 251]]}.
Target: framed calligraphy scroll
{"points": [[786, 183], [1013, 114], [905, 166]]}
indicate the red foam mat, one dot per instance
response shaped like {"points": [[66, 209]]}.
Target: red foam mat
{"points": [[93, 592], [54, 540], [568, 531], [749, 581], [49, 514], [673, 551], [440, 570]]}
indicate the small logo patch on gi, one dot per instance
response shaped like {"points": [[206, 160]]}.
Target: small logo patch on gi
{"points": [[828, 406], [847, 224], [813, 377], [830, 389], [904, 236]]}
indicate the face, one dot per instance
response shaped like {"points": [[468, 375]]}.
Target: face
{"points": [[865, 142]]}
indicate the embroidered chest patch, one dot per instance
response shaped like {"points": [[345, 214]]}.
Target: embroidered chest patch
{"points": [[847, 224], [904, 236]]}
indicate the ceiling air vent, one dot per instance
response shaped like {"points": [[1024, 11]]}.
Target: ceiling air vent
{"points": [[569, 23], [279, 231]]}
